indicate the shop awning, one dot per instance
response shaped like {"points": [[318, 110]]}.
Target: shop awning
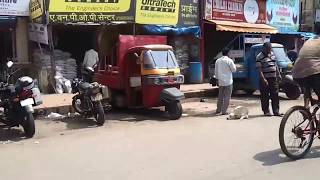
{"points": [[243, 27], [7, 21]]}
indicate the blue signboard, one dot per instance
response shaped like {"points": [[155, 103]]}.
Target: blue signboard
{"points": [[283, 15]]}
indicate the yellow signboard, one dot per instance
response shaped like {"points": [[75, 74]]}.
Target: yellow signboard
{"points": [[86, 6], [157, 12], [36, 9]]}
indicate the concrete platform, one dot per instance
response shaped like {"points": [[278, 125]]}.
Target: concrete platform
{"points": [[61, 103]]}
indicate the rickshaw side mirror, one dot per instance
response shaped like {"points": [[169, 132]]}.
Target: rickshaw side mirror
{"points": [[138, 61]]}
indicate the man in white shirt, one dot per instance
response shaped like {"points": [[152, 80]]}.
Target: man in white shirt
{"points": [[224, 67], [91, 59], [90, 62]]}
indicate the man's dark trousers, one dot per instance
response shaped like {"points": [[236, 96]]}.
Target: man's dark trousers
{"points": [[271, 91]]}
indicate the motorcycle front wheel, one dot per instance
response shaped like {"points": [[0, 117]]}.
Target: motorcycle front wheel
{"points": [[28, 125], [82, 105], [99, 114]]}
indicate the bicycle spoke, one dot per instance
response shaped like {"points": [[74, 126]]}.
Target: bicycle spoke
{"points": [[295, 143]]}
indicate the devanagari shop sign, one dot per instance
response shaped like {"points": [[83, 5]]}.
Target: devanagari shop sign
{"points": [[62, 11]]}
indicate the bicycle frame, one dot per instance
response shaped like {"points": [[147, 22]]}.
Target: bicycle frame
{"points": [[313, 119]]}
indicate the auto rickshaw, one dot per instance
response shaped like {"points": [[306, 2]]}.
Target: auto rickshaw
{"points": [[147, 76], [244, 50]]}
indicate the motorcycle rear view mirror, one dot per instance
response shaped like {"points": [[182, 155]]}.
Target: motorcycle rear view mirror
{"points": [[9, 64]]}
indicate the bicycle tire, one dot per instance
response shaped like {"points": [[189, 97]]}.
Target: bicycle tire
{"points": [[283, 123]]}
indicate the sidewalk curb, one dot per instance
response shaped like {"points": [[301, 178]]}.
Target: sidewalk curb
{"points": [[65, 109]]}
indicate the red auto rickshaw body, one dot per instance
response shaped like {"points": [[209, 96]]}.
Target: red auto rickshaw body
{"points": [[133, 79]]}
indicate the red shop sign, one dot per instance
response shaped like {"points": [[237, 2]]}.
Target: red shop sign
{"points": [[251, 11]]}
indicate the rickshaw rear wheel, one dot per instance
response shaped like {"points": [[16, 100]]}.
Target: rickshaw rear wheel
{"points": [[292, 92], [174, 110]]}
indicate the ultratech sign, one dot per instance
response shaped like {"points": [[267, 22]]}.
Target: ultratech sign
{"points": [[61, 11], [157, 11], [14, 7], [158, 5]]}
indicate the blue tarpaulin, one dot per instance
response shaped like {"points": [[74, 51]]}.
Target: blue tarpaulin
{"points": [[305, 35], [167, 30]]}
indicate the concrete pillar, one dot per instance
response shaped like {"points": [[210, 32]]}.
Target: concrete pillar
{"points": [[308, 14], [22, 42]]}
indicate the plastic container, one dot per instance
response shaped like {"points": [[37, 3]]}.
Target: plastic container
{"points": [[195, 72]]}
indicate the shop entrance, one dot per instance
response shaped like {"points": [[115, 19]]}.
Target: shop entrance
{"points": [[6, 50], [75, 41]]}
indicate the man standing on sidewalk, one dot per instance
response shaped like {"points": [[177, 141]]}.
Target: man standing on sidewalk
{"points": [[224, 67], [269, 75]]}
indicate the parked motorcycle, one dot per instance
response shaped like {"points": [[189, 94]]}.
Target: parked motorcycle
{"points": [[87, 100], [17, 101]]}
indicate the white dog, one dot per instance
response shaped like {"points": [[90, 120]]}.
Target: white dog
{"points": [[239, 112]]}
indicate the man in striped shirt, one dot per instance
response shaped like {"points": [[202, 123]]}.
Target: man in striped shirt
{"points": [[269, 75]]}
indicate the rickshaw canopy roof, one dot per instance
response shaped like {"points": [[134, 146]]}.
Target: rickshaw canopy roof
{"points": [[274, 45], [156, 47]]}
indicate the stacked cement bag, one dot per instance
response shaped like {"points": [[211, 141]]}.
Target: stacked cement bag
{"points": [[67, 65], [43, 65], [66, 69], [70, 69]]}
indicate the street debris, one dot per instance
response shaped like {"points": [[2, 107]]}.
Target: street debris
{"points": [[185, 115], [36, 142], [55, 116], [6, 142]]}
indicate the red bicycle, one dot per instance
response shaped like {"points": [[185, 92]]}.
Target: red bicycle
{"points": [[298, 128]]}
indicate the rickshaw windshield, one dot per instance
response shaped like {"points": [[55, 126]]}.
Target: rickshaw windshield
{"points": [[164, 59], [280, 54]]}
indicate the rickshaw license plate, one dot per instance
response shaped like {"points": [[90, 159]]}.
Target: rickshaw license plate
{"points": [[97, 97]]}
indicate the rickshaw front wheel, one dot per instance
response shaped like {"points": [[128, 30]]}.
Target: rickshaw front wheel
{"points": [[174, 109]]}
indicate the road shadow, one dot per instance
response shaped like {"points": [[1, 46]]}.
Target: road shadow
{"points": [[11, 134], [136, 115], [130, 115], [78, 122], [276, 157]]}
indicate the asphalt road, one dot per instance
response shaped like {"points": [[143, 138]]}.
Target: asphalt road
{"points": [[139, 144]]}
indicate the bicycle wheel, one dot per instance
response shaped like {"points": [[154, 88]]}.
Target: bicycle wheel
{"points": [[296, 132]]}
